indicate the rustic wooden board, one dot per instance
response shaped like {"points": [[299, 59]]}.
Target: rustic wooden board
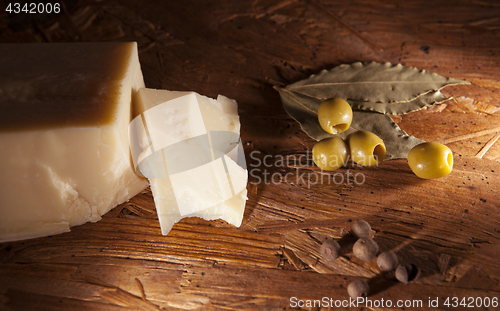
{"points": [[449, 227]]}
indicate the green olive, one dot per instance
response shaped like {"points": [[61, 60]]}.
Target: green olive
{"points": [[366, 148], [335, 115], [330, 153], [430, 160]]}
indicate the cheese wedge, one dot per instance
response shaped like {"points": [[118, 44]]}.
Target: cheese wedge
{"points": [[188, 146], [65, 156]]}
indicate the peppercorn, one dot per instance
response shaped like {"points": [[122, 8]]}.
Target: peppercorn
{"points": [[330, 250], [361, 229], [358, 288], [407, 273], [387, 261], [365, 249]]}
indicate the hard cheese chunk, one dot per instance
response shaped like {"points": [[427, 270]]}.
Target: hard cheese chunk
{"points": [[64, 146], [188, 146]]}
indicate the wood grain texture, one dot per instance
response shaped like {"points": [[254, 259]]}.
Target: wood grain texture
{"points": [[449, 228]]}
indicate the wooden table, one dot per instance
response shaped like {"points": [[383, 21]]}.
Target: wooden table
{"points": [[449, 227]]}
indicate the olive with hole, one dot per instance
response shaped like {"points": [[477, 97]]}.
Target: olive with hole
{"points": [[330, 153], [335, 115], [366, 148], [430, 160]]}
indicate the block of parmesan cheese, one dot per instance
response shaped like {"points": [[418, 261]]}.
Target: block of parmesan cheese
{"points": [[65, 156], [188, 146]]}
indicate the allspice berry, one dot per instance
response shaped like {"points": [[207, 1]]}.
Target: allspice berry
{"points": [[407, 273], [365, 249], [358, 288], [387, 261], [361, 229], [330, 250]]}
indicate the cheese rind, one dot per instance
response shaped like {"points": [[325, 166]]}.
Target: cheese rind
{"points": [[67, 160], [199, 170]]}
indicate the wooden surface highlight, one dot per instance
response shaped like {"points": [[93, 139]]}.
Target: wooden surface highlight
{"points": [[449, 227]]}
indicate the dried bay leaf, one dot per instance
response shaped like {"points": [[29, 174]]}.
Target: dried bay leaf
{"points": [[395, 108], [373, 90], [398, 143], [304, 110], [383, 84]]}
